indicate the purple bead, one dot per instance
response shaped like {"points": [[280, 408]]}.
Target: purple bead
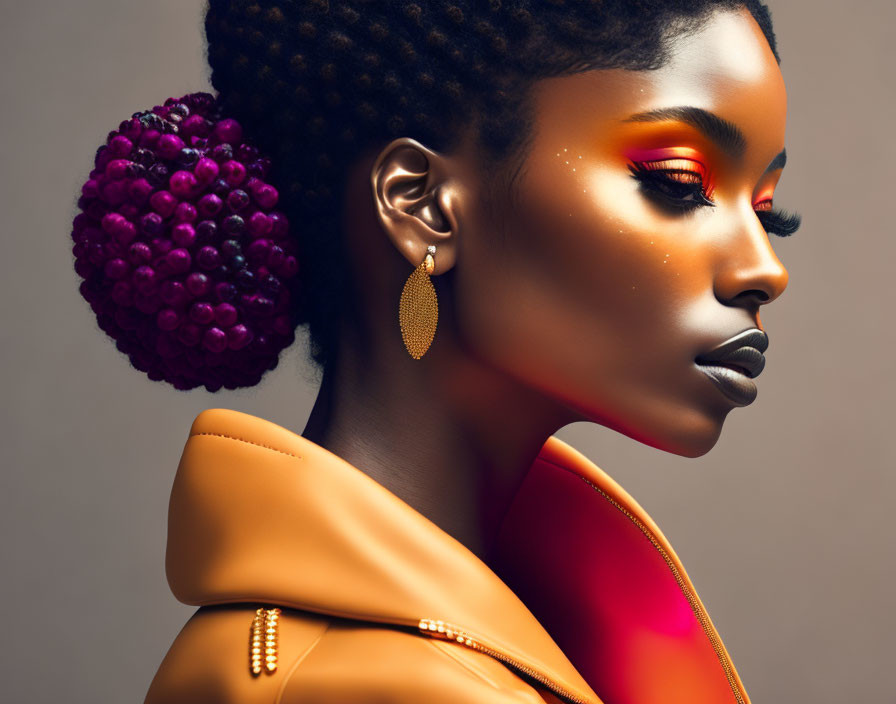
{"points": [[195, 125], [134, 170], [183, 234], [116, 268], [89, 188], [183, 184], [259, 224], [215, 340], [266, 196], [222, 153], [152, 224], [198, 284], [283, 325], [237, 262], [271, 285], [144, 277], [233, 173], [110, 220], [210, 205], [208, 258], [260, 305], [237, 199], [145, 157], [172, 292], [179, 260], [169, 146], [290, 267], [247, 153], [276, 257], [120, 146], [229, 131], [185, 212], [258, 250], [139, 253], [149, 139], [234, 225], [163, 203], [279, 225], [245, 280], [206, 170], [167, 319], [202, 313], [220, 188], [161, 246], [139, 190], [158, 175], [225, 315], [238, 336], [125, 232], [225, 291], [206, 231], [231, 248], [188, 157]]}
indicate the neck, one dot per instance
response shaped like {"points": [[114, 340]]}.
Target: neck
{"points": [[447, 435]]}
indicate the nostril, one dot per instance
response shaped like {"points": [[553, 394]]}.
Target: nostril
{"points": [[756, 295]]}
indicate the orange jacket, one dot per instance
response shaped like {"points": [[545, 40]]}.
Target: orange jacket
{"points": [[348, 594]]}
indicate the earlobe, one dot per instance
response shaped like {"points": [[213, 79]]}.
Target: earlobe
{"points": [[411, 199]]}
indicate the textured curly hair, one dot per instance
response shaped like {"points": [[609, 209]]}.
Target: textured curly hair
{"points": [[316, 82]]}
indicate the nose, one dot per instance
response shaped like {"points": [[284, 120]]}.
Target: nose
{"points": [[751, 274]]}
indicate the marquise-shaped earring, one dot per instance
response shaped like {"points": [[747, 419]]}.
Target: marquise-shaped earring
{"points": [[418, 308]]}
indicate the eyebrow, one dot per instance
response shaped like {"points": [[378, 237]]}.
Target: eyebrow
{"points": [[726, 134]]}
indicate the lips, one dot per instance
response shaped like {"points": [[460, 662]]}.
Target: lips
{"points": [[733, 364]]}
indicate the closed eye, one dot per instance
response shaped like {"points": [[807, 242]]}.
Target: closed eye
{"points": [[777, 222]]}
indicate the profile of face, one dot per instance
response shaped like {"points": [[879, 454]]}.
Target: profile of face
{"points": [[622, 273]]}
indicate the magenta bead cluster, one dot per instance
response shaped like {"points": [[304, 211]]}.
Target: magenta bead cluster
{"points": [[186, 261]]}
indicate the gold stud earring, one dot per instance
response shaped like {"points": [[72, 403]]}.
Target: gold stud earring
{"points": [[418, 308]]}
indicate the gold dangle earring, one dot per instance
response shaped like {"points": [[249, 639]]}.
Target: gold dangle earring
{"points": [[418, 309]]}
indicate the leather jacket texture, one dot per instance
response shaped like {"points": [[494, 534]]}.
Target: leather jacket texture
{"points": [[317, 585]]}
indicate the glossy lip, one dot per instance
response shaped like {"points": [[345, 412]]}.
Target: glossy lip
{"points": [[733, 364]]}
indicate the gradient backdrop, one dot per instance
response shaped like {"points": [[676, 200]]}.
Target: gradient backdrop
{"points": [[785, 527]]}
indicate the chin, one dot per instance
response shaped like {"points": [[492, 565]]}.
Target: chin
{"points": [[693, 433]]}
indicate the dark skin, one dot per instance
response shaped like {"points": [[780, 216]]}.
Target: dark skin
{"points": [[576, 295]]}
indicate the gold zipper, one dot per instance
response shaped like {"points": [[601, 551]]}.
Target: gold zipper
{"points": [[701, 615], [447, 631]]}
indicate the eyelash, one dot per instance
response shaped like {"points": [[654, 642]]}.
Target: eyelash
{"points": [[687, 195]]}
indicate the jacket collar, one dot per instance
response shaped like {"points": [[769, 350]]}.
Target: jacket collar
{"points": [[259, 513]]}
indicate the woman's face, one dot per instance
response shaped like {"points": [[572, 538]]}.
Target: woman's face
{"points": [[632, 247]]}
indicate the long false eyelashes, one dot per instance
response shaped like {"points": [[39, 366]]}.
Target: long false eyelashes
{"points": [[683, 190], [679, 188], [779, 222]]}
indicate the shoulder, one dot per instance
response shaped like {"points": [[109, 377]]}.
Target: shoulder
{"points": [[324, 661]]}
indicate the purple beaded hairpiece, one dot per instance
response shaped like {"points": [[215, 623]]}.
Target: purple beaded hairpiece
{"points": [[185, 261]]}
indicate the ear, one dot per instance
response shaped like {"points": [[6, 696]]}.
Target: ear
{"points": [[416, 200]]}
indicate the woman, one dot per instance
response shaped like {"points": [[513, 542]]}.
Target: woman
{"points": [[589, 187]]}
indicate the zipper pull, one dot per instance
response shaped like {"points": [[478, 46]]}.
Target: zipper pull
{"points": [[263, 640]]}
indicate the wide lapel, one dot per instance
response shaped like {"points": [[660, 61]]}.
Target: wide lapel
{"points": [[599, 575]]}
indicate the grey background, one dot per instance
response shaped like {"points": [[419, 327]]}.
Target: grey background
{"points": [[785, 527]]}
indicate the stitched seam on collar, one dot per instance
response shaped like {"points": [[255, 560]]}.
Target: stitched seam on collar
{"points": [[248, 442], [443, 648], [298, 661]]}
